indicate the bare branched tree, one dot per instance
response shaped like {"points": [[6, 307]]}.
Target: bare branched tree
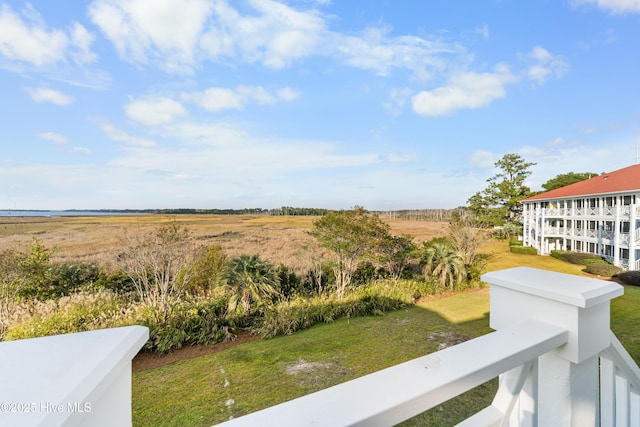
{"points": [[159, 264], [467, 236]]}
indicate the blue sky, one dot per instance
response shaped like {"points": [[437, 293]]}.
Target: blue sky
{"points": [[315, 103]]}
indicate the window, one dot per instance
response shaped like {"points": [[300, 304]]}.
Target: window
{"points": [[593, 203], [625, 226], [624, 253]]}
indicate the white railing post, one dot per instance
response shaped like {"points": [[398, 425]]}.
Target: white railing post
{"points": [[80, 379], [567, 378]]}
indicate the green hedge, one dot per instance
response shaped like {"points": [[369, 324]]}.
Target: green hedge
{"points": [[558, 254], [629, 277], [190, 324], [606, 270], [579, 258], [527, 250], [287, 317], [590, 261], [515, 242]]}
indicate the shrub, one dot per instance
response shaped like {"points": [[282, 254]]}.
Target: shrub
{"points": [[629, 277], [578, 257], [207, 271], [589, 261], [65, 278], [527, 250], [363, 274], [287, 317], [558, 254], [515, 242], [189, 324], [605, 270], [507, 231], [118, 282], [288, 283]]}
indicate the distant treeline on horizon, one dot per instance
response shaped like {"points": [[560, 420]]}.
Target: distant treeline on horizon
{"points": [[413, 214]]}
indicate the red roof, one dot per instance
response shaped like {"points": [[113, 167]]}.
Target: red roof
{"points": [[622, 180]]}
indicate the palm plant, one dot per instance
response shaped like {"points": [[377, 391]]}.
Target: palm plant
{"points": [[251, 281], [446, 264]]}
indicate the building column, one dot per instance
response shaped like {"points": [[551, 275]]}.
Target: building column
{"points": [[525, 224], [543, 246], [632, 234], [616, 232]]}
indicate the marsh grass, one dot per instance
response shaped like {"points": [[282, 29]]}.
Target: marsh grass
{"points": [[101, 239]]}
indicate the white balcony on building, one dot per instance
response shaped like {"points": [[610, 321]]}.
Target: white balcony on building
{"points": [[600, 215]]}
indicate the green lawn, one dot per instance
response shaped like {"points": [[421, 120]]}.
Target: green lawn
{"points": [[195, 392], [259, 374]]}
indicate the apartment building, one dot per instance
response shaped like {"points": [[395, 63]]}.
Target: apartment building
{"points": [[600, 215]]}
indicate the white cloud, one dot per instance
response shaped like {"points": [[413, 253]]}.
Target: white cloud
{"points": [[217, 98], [397, 100], [464, 91], [401, 158], [288, 94], [375, 50], [49, 95], [275, 34], [52, 136], [166, 31], [614, 6], [180, 36], [484, 159], [81, 40], [82, 150], [26, 38], [154, 111], [117, 135], [544, 64]]}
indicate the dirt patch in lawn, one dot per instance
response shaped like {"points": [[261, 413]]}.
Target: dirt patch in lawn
{"points": [[144, 361], [323, 374]]}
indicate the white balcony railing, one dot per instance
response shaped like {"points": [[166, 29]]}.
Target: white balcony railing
{"points": [[558, 362], [81, 379], [554, 231]]}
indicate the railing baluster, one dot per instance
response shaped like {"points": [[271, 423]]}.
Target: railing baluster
{"points": [[634, 407], [622, 402], [607, 390]]}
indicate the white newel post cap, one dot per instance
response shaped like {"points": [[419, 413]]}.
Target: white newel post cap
{"points": [[578, 304]]}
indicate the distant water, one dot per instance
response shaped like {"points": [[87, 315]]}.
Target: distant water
{"points": [[4, 213]]}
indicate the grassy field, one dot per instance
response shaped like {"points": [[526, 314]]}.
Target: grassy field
{"points": [[262, 373], [100, 239]]}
